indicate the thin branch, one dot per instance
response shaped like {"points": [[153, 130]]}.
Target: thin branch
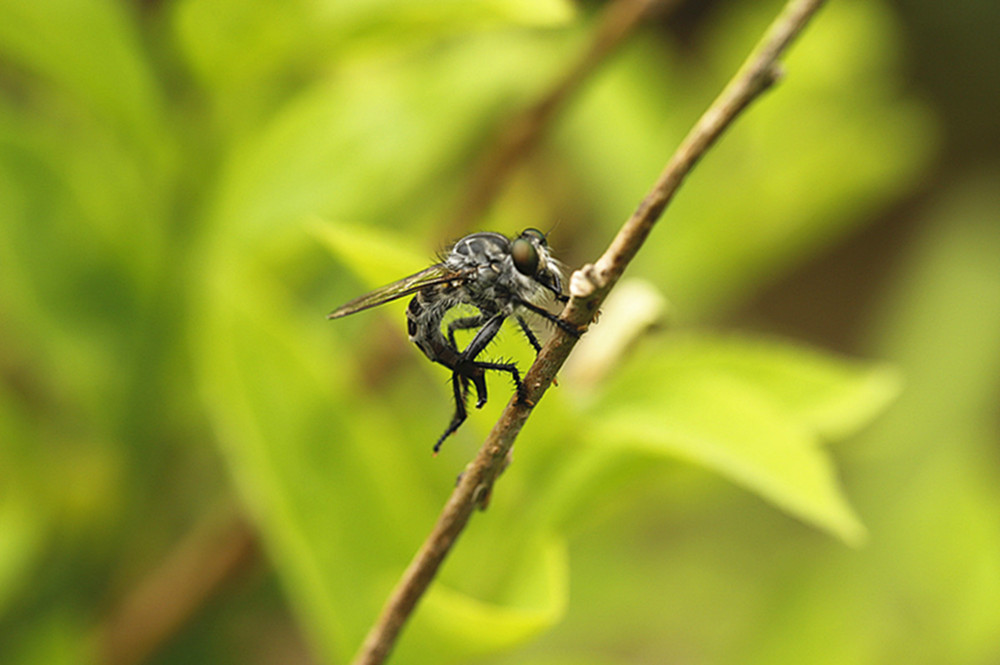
{"points": [[217, 550], [588, 288], [522, 132]]}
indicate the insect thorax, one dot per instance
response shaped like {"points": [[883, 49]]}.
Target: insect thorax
{"points": [[494, 288], [497, 283]]}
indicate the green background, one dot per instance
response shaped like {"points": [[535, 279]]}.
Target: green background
{"points": [[791, 455]]}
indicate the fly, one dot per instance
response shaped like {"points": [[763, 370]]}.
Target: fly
{"points": [[499, 277]]}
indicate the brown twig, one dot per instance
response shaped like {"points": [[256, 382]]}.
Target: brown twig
{"points": [[588, 288], [216, 551], [521, 133]]}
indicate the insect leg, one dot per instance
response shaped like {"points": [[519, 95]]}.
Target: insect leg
{"points": [[529, 333], [464, 324], [531, 338], [569, 328], [469, 362], [559, 295], [505, 367], [482, 339], [457, 381]]}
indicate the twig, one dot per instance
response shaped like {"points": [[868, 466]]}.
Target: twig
{"points": [[215, 552], [521, 133], [588, 288]]}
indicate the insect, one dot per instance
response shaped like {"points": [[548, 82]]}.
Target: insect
{"points": [[498, 276]]}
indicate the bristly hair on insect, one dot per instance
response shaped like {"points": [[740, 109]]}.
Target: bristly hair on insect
{"points": [[500, 278]]}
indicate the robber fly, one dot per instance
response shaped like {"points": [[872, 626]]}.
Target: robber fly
{"points": [[498, 276]]}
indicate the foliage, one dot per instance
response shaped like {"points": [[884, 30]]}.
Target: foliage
{"points": [[189, 188]]}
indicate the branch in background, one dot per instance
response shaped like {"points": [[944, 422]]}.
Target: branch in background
{"points": [[220, 547], [588, 287], [522, 132]]}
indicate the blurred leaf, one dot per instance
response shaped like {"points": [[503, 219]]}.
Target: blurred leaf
{"points": [[23, 537], [751, 412], [231, 42], [79, 260], [91, 49], [234, 43], [250, 54], [375, 256], [277, 415], [369, 141], [463, 626], [924, 475], [83, 196], [58, 638], [943, 317], [831, 396], [932, 475]]}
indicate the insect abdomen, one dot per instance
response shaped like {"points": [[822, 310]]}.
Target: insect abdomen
{"points": [[413, 312]]}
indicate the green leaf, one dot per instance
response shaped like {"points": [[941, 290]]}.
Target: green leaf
{"points": [[252, 55], [373, 140], [751, 412], [21, 546], [831, 396], [91, 49], [59, 637], [284, 427], [231, 43], [465, 626], [375, 256]]}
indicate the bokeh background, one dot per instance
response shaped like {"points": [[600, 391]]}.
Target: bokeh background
{"points": [[791, 456]]}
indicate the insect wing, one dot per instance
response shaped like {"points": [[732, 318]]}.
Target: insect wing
{"points": [[436, 274]]}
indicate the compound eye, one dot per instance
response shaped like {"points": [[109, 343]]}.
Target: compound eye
{"points": [[534, 234], [525, 256]]}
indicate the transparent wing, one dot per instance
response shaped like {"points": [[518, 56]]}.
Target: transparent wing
{"points": [[436, 274]]}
